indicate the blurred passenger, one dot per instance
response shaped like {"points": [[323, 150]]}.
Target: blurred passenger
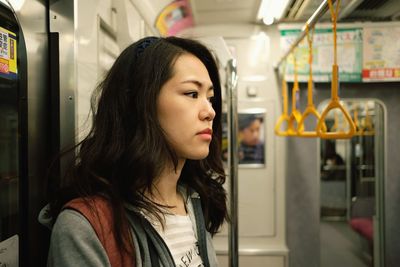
{"points": [[251, 148], [146, 185], [333, 165]]}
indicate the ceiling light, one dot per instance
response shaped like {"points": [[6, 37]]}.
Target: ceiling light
{"points": [[271, 11]]}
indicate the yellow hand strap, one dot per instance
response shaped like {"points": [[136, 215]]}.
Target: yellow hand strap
{"points": [[295, 115], [335, 103], [310, 109], [356, 122], [284, 117], [368, 127]]}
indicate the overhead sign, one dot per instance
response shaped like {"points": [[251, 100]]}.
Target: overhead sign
{"points": [[349, 54]]}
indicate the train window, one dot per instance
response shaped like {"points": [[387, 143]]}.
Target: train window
{"points": [[351, 184]]}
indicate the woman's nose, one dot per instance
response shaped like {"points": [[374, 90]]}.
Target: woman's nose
{"points": [[207, 112]]}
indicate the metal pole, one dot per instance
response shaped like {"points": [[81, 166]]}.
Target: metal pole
{"points": [[233, 161], [321, 10]]}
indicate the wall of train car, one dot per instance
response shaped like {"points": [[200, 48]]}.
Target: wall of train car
{"points": [[103, 29]]}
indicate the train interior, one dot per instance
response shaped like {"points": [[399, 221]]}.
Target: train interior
{"points": [[324, 187]]}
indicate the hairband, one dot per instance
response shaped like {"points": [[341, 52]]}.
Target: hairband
{"points": [[144, 43]]}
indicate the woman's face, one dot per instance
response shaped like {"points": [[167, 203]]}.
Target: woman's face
{"points": [[184, 109]]}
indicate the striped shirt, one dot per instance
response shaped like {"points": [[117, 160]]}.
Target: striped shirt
{"points": [[179, 236]]}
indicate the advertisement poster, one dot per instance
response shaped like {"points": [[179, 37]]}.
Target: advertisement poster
{"points": [[349, 54], [251, 139], [8, 54], [174, 17], [381, 54]]}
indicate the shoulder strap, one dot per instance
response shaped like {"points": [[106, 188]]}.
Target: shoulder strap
{"points": [[201, 230], [98, 211], [153, 250]]}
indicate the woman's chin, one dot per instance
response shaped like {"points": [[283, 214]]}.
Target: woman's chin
{"points": [[198, 156]]}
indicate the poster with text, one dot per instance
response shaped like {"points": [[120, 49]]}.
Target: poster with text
{"points": [[381, 54], [349, 54], [8, 54]]}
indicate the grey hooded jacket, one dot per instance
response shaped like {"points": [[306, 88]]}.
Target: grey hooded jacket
{"points": [[75, 243]]}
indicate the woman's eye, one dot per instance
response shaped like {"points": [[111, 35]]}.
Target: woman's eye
{"points": [[211, 99], [192, 94]]}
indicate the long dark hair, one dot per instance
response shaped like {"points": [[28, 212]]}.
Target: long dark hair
{"points": [[126, 148]]}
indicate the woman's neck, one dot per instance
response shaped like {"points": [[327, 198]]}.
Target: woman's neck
{"points": [[165, 189]]}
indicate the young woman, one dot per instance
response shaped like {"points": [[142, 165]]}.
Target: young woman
{"points": [[146, 185]]}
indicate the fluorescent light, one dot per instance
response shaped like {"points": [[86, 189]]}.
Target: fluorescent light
{"points": [[268, 20], [263, 10], [270, 10]]}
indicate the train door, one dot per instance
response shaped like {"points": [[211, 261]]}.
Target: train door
{"points": [[23, 136], [36, 119], [351, 183]]}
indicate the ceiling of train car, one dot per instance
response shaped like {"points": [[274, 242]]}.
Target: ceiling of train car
{"points": [[240, 11], [225, 11]]}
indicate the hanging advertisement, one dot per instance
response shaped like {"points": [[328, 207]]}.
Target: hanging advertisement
{"points": [[381, 54], [8, 54], [175, 17], [349, 54]]}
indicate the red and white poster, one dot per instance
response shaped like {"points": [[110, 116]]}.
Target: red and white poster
{"points": [[381, 54]]}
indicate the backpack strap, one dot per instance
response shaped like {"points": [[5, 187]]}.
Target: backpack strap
{"points": [[98, 211]]}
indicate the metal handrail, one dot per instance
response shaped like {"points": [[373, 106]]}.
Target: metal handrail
{"points": [[321, 10], [233, 161]]}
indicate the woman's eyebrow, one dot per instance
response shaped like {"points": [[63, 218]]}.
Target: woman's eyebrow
{"points": [[198, 84]]}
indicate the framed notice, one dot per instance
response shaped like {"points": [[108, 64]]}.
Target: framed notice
{"points": [[381, 54]]}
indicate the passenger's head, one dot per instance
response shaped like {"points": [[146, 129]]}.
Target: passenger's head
{"points": [[157, 98], [250, 129], [156, 108]]}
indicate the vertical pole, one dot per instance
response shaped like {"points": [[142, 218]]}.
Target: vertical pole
{"points": [[233, 161]]}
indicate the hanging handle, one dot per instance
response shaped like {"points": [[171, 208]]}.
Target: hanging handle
{"points": [[310, 109], [368, 127], [356, 121], [284, 117], [335, 103], [295, 115]]}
